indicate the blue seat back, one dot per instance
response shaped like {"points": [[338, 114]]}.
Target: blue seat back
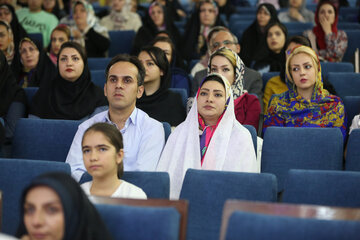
{"points": [[207, 192], [183, 93], [353, 43], [266, 77], [345, 83], [253, 133], [352, 161], [121, 42], [319, 187], [37, 38], [98, 77], [254, 226], [287, 148], [30, 93], [140, 223], [154, 184], [98, 63], [43, 139], [15, 175], [352, 107], [327, 67], [167, 130]]}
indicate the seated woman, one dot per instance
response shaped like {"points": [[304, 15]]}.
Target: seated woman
{"points": [[53, 6], [179, 77], [87, 32], [228, 64], [253, 41], [277, 85], [297, 12], [6, 41], [71, 94], [12, 99], [158, 101], [121, 19], [64, 210], [156, 20], [210, 138], [103, 153], [59, 35], [204, 17], [326, 39], [276, 35], [306, 103]]}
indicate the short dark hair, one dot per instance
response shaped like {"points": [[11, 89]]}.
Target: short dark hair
{"points": [[131, 59], [113, 135], [298, 40], [213, 77]]}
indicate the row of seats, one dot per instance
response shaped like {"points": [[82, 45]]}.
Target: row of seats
{"points": [[204, 190]]}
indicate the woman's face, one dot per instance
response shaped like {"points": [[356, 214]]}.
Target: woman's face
{"points": [[99, 155], [117, 5], [207, 14], [43, 214], [211, 101], [57, 39], [153, 72], [49, 4], [5, 39], [5, 15], [71, 64], [166, 47], [29, 55], [295, 3], [327, 11], [303, 72], [263, 17], [222, 66], [80, 14], [157, 15], [275, 39]]}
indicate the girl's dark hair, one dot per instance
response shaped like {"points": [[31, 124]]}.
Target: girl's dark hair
{"points": [[299, 40], [167, 40], [113, 135], [76, 46], [213, 77]]}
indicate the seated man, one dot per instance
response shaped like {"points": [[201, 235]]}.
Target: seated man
{"points": [[143, 136]]}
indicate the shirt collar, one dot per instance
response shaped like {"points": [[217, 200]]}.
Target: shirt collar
{"points": [[130, 120]]}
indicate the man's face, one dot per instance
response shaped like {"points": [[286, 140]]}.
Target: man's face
{"points": [[35, 5], [121, 87], [223, 39]]}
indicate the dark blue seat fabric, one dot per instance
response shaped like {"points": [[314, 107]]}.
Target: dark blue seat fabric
{"points": [[43, 139], [15, 175], [167, 130], [154, 184], [353, 43], [121, 42], [266, 77], [207, 192], [180, 79], [98, 77], [352, 107], [253, 226], [30, 92], [98, 63], [253, 133], [345, 84], [287, 148], [140, 223], [37, 38], [327, 67], [352, 161], [319, 187], [182, 92]]}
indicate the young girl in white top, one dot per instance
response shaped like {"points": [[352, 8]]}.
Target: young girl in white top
{"points": [[103, 154]]}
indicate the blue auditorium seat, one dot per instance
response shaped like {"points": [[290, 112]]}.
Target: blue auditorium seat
{"points": [[121, 42], [167, 130], [353, 43], [15, 175], [98, 63], [345, 84], [253, 133], [30, 93], [352, 107], [98, 77], [182, 92], [207, 192], [352, 161]]}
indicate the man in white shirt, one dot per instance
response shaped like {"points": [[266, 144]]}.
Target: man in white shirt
{"points": [[143, 136]]}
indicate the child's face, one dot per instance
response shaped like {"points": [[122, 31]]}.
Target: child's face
{"points": [[100, 156]]}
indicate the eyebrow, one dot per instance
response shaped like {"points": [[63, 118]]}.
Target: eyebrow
{"points": [[300, 64], [46, 204], [225, 65], [96, 146]]}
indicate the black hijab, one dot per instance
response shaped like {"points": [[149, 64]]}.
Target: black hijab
{"points": [[163, 105], [192, 31], [62, 99], [10, 91], [82, 221], [149, 30], [18, 31], [253, 42]]}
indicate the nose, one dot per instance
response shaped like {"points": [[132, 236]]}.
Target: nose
{"points": [[302, 71], [38, 219], [210, 98], [93, 156]]}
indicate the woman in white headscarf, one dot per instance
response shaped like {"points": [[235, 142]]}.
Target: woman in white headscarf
{"points": [[210, 138]]}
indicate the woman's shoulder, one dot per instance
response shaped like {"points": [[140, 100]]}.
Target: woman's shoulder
{"points": [[129, 190]]}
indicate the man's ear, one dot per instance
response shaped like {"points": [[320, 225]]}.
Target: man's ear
{"points": [[105, 91], [140, 91]]}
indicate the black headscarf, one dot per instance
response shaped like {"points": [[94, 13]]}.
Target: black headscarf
{"points": [[62, 99], [18, 31], [149, 30], [10, 91], [253, 42], [82, 221], [276, 61], [192, 31], [163, 105]]}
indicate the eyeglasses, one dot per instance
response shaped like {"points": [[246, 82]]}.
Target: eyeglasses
{"points": [[225, 43]]}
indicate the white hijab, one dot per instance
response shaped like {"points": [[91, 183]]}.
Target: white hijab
{"points": [[230, 149]]}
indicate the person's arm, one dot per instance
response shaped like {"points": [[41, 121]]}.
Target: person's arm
{"points": [[272, 118], [253, 112], [335, 46], [151, 146], [341, 121], [74, 157]]}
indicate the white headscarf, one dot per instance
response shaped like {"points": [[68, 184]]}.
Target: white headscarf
{"points": [[230, 149]]}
